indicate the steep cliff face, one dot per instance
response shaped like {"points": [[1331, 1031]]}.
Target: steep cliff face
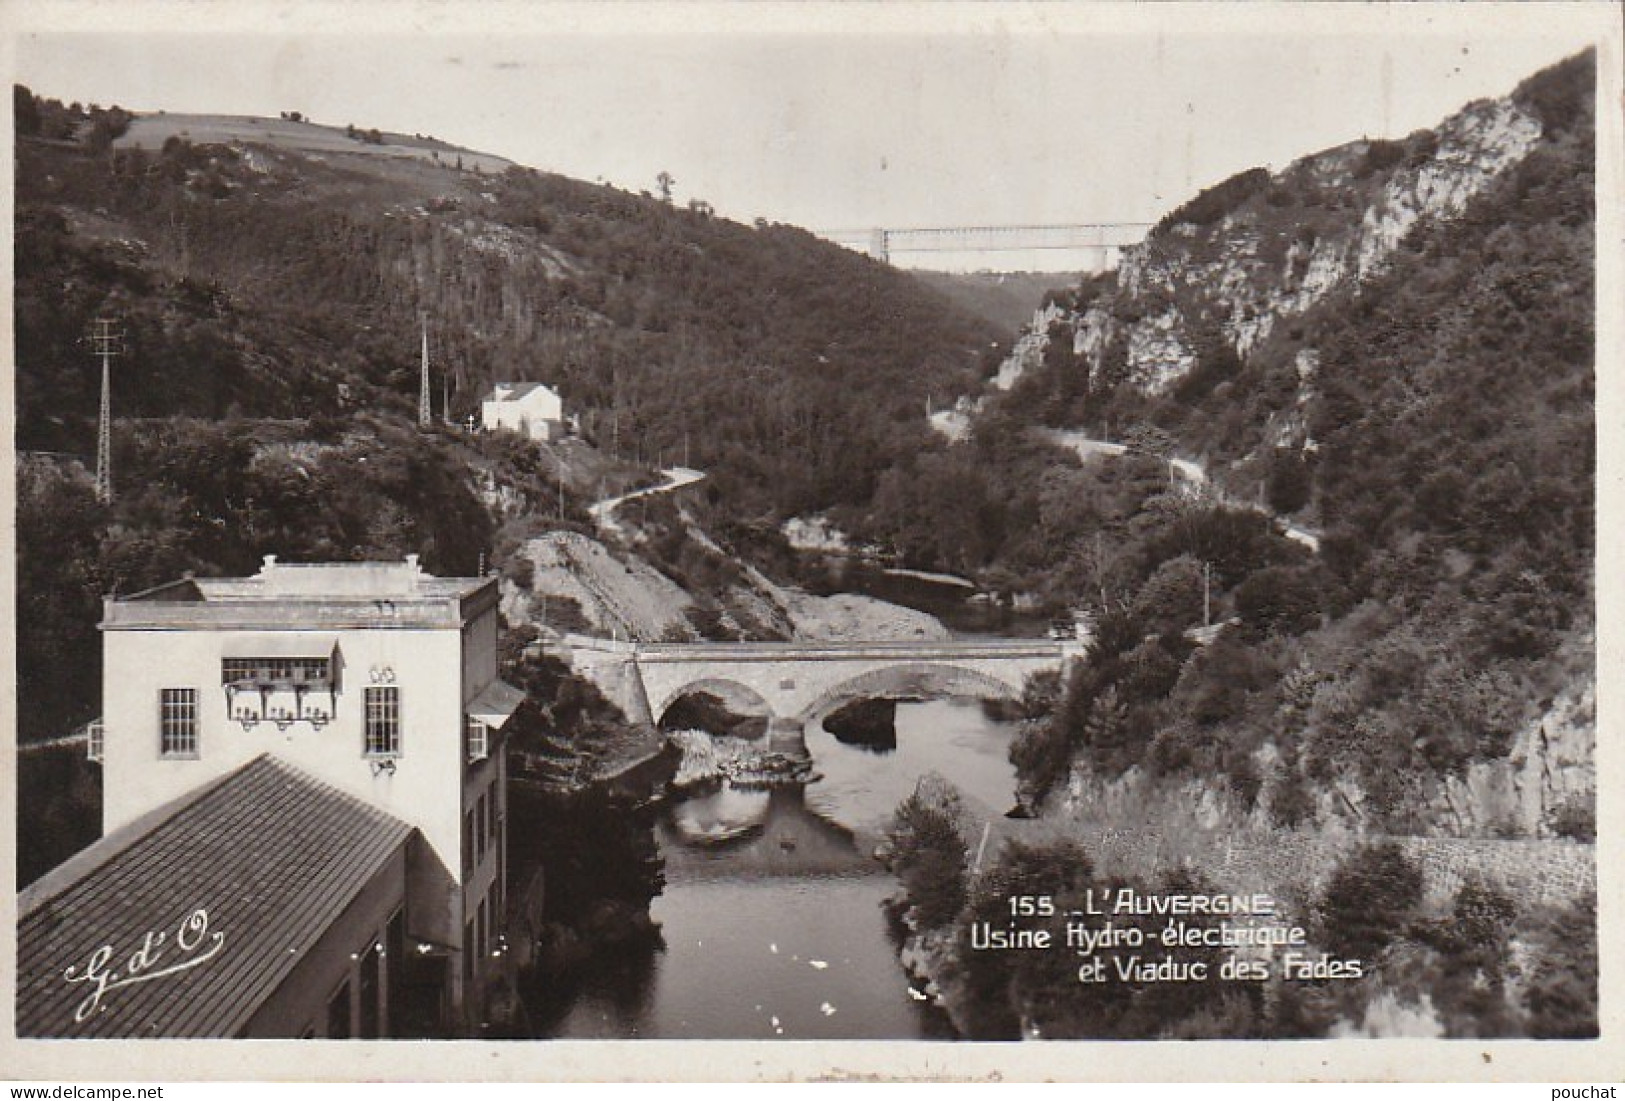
{"points": [[1289, 240], [1546, 787], [1257, 250], [1391, 343]]}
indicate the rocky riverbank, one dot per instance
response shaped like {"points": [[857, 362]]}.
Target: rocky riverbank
{"points": [[710, 759]]}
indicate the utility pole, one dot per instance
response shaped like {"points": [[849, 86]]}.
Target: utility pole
{"points": [[424, 415], [1100, 569], [1207, 590], [108, 342]]}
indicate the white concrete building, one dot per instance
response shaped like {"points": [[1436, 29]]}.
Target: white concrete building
{"points": [[529, 408], [372, 679]]}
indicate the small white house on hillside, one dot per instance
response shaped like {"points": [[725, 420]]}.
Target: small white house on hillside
{"points": [[529, 408]]}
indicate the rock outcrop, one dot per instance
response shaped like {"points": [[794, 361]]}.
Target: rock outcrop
{"points": [[1288, 240]]}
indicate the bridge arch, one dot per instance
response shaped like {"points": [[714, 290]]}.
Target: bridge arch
{"points": [[910, 679], [728, 689]]}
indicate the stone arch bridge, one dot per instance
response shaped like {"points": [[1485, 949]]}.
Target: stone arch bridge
{"points": [[798, 683]]}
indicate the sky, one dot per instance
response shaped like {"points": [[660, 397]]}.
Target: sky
{"points": [[827, 116]]}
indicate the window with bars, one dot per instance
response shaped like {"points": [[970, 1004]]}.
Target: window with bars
{"points": [[382, 737], [177, 722], [476, 739], [246, 671]]}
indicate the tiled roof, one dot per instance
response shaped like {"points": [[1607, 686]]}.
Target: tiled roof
{"points": [[496, 705], [269, 854], [515, 391]]}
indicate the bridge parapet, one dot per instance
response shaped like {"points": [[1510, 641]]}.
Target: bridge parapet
{"points": [[840, 651], [800, 681]]}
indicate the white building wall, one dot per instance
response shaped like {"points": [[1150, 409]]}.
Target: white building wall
{"points": [[533, 415], [423, 789]]}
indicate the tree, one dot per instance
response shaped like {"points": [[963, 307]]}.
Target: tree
{"points": [[1288, 483], [927, 853], [1061, 870], [1562, 992], [1281, 599], [25, 112], [665, 181], [1369, 901], [1171, 598]]}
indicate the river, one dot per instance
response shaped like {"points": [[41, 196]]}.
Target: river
{"points": [[780, 931], [966, 612]]}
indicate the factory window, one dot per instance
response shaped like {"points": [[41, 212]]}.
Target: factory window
{"points": [[177, 722], [477, 737], [383, 722]]}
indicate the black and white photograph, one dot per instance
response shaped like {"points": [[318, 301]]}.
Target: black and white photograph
{"points": [[998, 529]]}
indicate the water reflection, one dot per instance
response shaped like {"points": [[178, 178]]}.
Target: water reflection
{"points": [[772, 922], [726, 815], [611, 999], [952, 738], [790, 839], [965, 612]]}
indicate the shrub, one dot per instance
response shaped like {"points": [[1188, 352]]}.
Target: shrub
{"points": [[521, 571], [1215, 202], [1380, 155], [1575, 817], [1289, 481], [1290, 802], [1041, 754]]}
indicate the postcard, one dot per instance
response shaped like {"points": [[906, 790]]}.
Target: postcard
{"points": [[951, 541]]}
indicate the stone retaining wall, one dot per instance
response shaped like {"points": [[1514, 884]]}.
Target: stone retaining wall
{"points": [[1294, 867]]}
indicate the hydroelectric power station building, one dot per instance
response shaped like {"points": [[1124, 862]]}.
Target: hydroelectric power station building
{"points": [[304, 814]]}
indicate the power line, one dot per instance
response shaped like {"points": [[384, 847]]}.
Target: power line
{"points": [[108, 342], [424, 412]]}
